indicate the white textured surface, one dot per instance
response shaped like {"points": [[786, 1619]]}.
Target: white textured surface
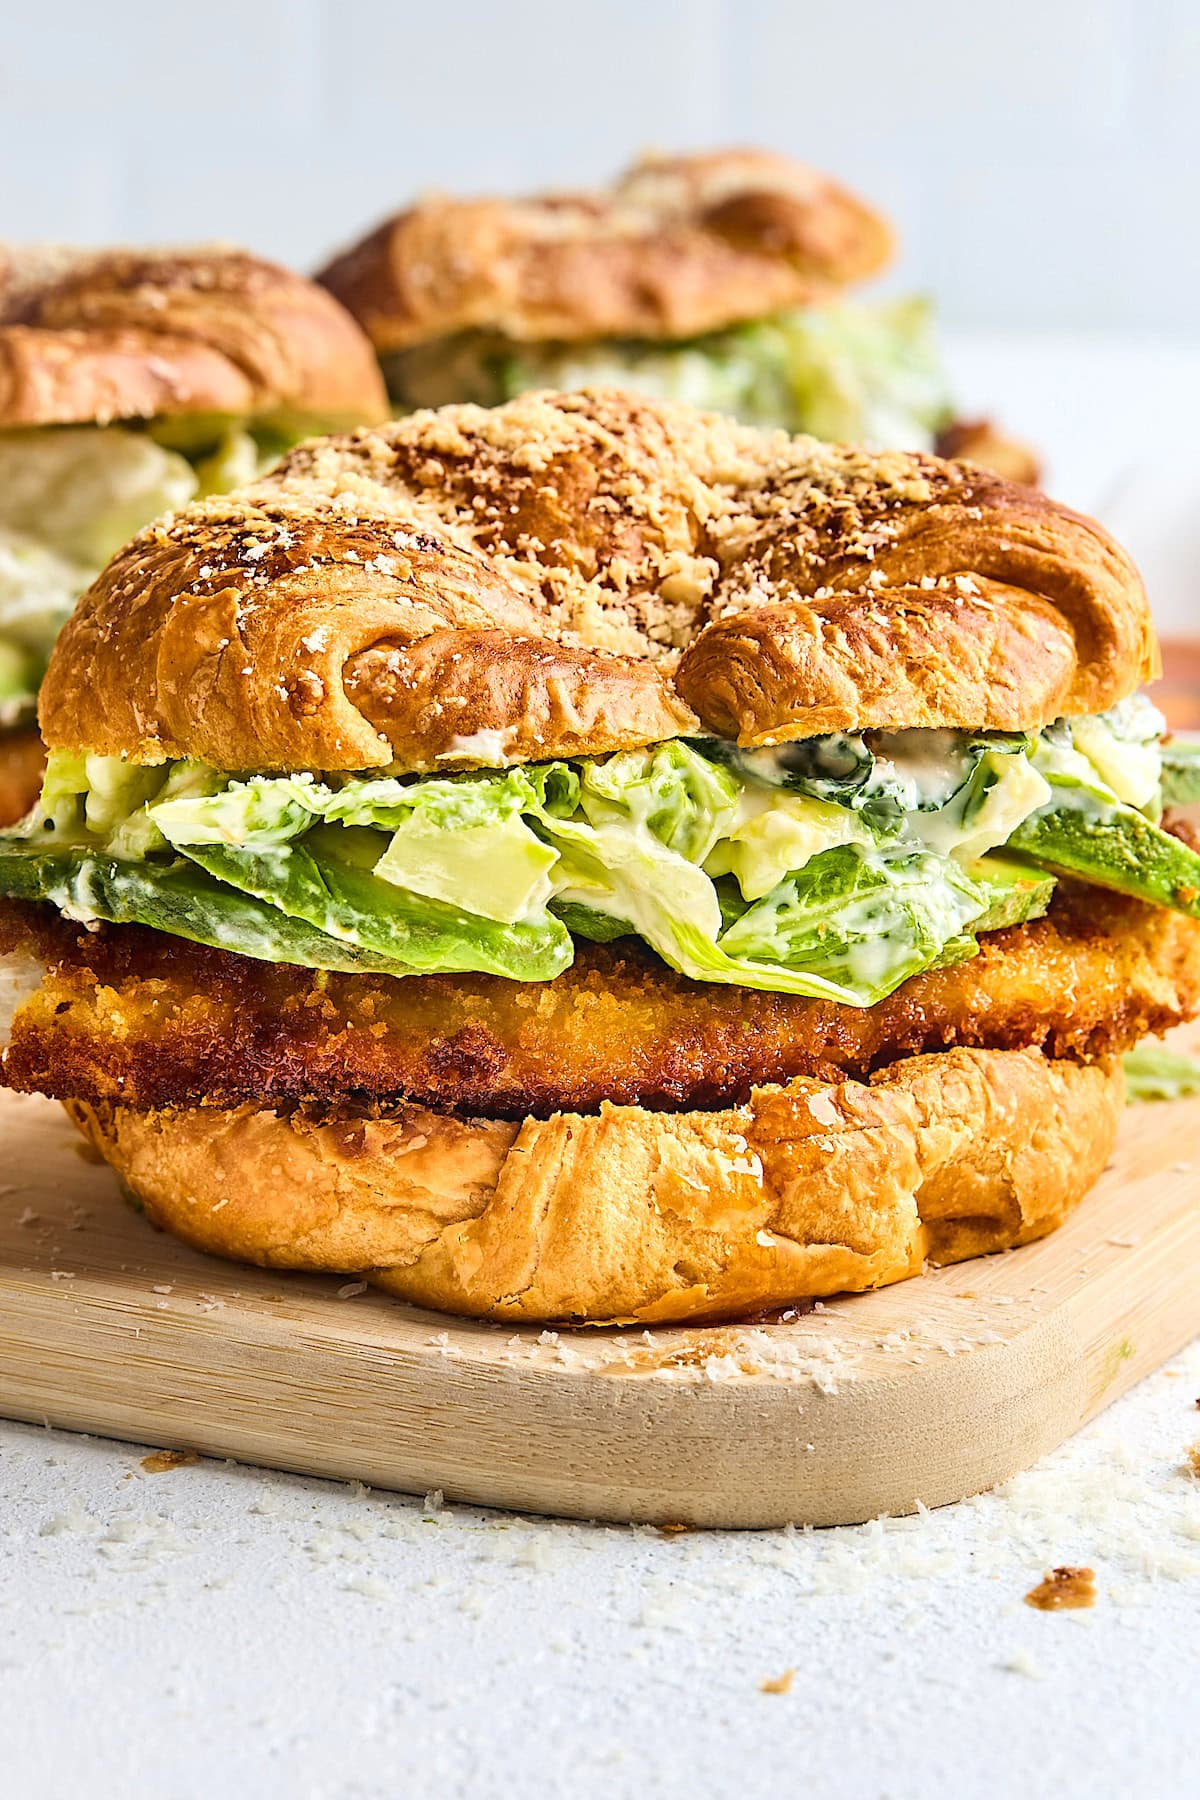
{"points": [[216, 1631]]}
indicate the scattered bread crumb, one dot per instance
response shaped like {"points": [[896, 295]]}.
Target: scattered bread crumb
{"points": [[1063, 1590], [159, 1461], [782, 1684]]}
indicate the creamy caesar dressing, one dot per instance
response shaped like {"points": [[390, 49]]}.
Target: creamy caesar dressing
{"points": [[926, 766], [776, 834], [70, 496], [488, 748], [833, 867]]}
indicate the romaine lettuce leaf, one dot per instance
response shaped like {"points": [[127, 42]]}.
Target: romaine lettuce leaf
{"points": [[1181, 772], [82, 490], [846, 372], [776, 835], [446, 839], [685, 800], [957, 793], [833, 868], [1152, 1072], [174, 897], [38, 591], [70, 496], [328, 881], [1124, 748], [864, 922]]}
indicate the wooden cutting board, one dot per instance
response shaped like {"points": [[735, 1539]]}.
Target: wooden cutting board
{"points": [[924, 1392]]}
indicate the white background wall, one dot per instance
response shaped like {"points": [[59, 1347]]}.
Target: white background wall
{"points": [[1041, 157]]}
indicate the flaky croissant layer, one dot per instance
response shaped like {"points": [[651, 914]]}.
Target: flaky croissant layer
{"points": [[572, 574]]}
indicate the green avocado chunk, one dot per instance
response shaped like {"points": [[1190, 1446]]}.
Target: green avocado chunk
{"points": [[1113, 847]]}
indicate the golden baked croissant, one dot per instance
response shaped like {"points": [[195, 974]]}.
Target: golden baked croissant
{"points": [[88, 337], [582, 573]]}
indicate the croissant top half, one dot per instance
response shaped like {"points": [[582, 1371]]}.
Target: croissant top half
{"points": [[87, 337], [577, 573], [676, 246]]}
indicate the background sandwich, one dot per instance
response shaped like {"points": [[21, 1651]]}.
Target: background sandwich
{"points": [[131, 382], [590, 860], [719, 279]]}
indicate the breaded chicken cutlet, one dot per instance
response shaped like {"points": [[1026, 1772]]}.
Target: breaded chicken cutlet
{"points": [[128, 1015]]}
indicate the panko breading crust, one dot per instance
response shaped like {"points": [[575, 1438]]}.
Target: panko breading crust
{"points": [[132, 1015], [677, 246], [626, 1215], [576, 573], [87, 337]]}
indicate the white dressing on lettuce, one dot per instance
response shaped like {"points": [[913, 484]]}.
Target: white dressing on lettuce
{"points": [[1124, 747], [834, 867], [70, 496], [82, 490], [776, 835], [926, 766], [967, 832]]}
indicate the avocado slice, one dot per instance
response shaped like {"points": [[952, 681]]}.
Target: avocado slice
{"points": [[1017, 893], [1113, 847]]}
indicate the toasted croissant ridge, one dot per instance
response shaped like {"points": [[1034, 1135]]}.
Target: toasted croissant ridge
{"points": [[623, 1215], [92, 336], [578, 573], [676, 246]]}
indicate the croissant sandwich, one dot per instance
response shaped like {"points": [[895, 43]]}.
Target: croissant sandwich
{"points": [[593, 861], [720, 279], [131, 381]]}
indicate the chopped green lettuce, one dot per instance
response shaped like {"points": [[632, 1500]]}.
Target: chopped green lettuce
{"points": [[82, 490], [38, 591], [778, 833], [850, 373], [869, 921], [328, 882], [834, 868], [176, 897], [847, 372], [1152, 1072], [954, 792], [1181, 772], [70, 496]]}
